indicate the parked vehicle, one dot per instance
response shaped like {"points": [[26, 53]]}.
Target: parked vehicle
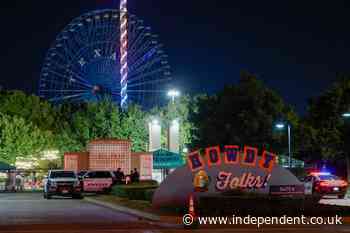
{"points": [[98, 181], [63, 183], [324, 183]]}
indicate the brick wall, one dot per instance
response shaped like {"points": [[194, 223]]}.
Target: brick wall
{"points": [[110, 154]]}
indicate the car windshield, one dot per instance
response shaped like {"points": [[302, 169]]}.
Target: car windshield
{"points": [[328, 177], [62, 174]]}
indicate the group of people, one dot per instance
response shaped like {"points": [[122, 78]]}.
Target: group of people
{"points": [[120, 177]]}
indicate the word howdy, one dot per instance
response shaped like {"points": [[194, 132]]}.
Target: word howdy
{"points": [[226, 180], [231, 155]]}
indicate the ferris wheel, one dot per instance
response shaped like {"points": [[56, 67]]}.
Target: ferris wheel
{"points": [[83, 63]]}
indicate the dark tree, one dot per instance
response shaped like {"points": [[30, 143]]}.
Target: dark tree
{"points": [[325, 131], [241, 114]]}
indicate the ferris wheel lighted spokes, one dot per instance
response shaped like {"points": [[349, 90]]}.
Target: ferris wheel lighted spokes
{"points": [[83, 64]]}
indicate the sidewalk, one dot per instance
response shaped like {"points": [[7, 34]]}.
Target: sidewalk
{"points": [[124, 209], [174, 222]]}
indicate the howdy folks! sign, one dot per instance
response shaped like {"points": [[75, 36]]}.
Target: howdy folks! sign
{"points": [[256, 175]]}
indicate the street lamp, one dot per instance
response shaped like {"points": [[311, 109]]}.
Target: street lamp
{"points": [[173, 94], [282, 126], [346, 114]]}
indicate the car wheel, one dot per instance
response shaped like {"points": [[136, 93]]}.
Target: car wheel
{"points": [[48, 196], [342, 196]]}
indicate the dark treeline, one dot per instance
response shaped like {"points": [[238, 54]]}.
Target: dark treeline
{"points": [[243, 113]]}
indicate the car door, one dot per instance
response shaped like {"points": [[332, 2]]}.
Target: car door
{"points": [[104, 180], [89, 182]]}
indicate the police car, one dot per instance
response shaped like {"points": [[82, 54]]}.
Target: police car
{"points": [[324, 183], [97, 181], [63, 183]]}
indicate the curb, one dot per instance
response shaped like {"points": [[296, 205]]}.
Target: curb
{"points": [[124, 209]]}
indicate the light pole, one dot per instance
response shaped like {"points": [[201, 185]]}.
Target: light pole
{"points": [[346, 116], [281, 126], [173, 94], [154, 128]]}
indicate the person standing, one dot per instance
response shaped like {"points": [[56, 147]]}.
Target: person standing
{"points": [[132, 176], [122, 176], [136, 175], [19, 182], [118, 178]]}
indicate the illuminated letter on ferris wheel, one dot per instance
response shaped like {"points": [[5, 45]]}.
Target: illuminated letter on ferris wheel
{"points": [[123, 54]]}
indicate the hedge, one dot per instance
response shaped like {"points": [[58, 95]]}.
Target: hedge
{"points": [[137, 191], [149, 194]]}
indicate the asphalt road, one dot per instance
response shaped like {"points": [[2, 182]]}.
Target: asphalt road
{"points": [[32, 208], [30, 213]]}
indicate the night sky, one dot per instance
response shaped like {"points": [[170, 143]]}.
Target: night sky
{"points": [[295, 47]]}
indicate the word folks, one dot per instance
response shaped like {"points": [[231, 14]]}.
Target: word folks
{"points": [[226, 180], [231, 155]]}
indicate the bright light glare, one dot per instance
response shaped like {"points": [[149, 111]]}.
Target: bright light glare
{"points": [[320, 173], [175, 122], [280, 125], [346, 114], [173, 93], [155, 122]]}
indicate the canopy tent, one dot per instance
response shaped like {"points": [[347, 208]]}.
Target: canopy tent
{"points": [[164, 159], [6, 167]]}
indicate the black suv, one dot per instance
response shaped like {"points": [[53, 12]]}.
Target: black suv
{"points": [[62, 183]]}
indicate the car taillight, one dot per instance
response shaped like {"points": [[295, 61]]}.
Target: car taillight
{"points": [[324, 183]]}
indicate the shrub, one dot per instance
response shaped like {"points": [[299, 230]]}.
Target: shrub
{"points": [[149, 182], [119, 191], [149, 194], [135, 191]]}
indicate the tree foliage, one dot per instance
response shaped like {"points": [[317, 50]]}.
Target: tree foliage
{"points": [[241, 114], [20, 138], [29, 107], [324, 130], [86, 122]]}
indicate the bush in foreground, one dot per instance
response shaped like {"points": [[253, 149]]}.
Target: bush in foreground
{"points": [[137, 191]]}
